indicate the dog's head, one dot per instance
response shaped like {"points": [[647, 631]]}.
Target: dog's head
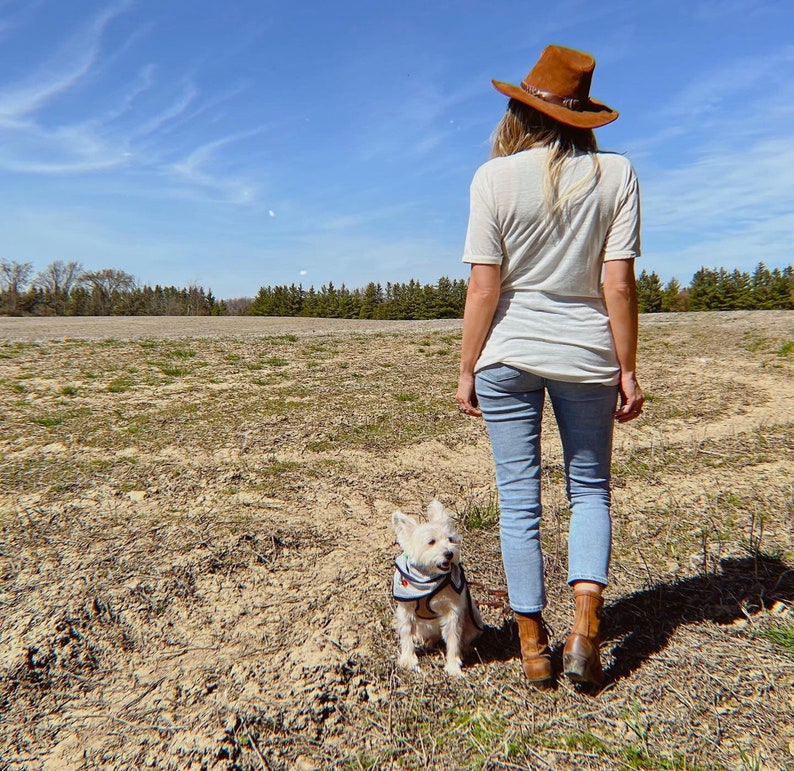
{"points": [[432, 546]]}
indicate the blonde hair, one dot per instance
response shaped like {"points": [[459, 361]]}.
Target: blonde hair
{"points": [[523, 128]]}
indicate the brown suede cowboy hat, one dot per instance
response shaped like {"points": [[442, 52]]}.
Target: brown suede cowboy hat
{"points": [[559, 86]]}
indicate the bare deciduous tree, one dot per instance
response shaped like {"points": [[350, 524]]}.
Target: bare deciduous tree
{"points": [[239, 306], [57, 280], [13, 278], [106, 283]]}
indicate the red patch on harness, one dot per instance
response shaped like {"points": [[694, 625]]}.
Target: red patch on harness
{"points": [[404, 582]]}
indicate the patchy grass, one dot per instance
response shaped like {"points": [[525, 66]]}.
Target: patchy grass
{"points": [[119, 385], [782, 635], [195, 564], [478, 514], [786, 349]]}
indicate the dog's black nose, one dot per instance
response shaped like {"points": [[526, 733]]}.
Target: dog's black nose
{"points": [[448, 555]]}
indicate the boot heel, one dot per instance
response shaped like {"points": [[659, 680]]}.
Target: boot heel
{"points": [[576, 668]]}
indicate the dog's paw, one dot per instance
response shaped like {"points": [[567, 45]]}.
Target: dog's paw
{"points": [[409, 662], [454, 670]]}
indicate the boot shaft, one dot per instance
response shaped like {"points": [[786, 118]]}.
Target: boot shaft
{"points": [[535, 658], [587, 616], [533, 635]]}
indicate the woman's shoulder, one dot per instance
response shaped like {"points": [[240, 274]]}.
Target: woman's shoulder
{"points": [[505, 164], [615, 160]]}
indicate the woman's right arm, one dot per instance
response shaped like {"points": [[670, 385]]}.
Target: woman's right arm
{"points": [[620, 296], [482, 298]]}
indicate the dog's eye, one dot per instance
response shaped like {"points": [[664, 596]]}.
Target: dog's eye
{"points": [[431, 542]]}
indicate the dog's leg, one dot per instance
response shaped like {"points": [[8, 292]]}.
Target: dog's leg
{"points": [[405, 633], [473, 624], [471, 631], [451, 629]]}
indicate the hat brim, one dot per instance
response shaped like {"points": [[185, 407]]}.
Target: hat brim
{"points": [[597, 114]]}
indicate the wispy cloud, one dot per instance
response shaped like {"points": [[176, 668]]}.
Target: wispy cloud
{"points": [[759, 79], [170, 113], [725, 187], [734, 102], [711, 10], [147, 122], [196, 169], [70, 150], [741, 247], [341, 222], [66, 67], [724, 195]]}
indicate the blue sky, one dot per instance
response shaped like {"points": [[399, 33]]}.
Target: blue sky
{"points": [[251, 142]]}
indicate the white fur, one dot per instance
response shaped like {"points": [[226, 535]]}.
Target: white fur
{"points": [[433, 547]]}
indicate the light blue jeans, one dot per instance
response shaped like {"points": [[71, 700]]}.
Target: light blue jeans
{"points": [[512, 405]]}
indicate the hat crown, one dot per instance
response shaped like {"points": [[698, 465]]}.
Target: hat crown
{"points": [[559, 86], [562, 72]]}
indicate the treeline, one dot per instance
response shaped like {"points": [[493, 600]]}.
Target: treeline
{"points": [[442, 300], [711, 290], [719, 290], [65, 289]]}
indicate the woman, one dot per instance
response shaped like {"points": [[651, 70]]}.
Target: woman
{"points": [[552, 218]]}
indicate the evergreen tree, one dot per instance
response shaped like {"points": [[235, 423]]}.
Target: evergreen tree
{"points": [[371, 298], [649, 292], [742, 291], [704, 291], [311, 303], [673, 299], [261, 306], [329, 303], [761, 283], [780, 290]]}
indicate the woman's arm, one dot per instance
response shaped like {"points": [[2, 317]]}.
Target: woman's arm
{"points": [[620, 296], [481, 301]]}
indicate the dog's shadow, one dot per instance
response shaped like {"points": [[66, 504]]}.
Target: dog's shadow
{"points": [[641, 624]]}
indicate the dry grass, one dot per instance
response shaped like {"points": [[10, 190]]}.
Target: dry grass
{"points": [[195, 555]]}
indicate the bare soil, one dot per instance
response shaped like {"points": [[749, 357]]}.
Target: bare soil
{"points": [[196, 552]]}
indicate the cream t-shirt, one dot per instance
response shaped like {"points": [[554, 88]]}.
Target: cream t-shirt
{"points": [[551, 319]]}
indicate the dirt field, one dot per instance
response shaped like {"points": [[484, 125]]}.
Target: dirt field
{"points": [[196, 552]]}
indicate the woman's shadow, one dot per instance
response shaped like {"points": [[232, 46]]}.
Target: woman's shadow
{"points": [[643, 622]]}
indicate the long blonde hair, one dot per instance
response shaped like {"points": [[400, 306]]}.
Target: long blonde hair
{"points": [[523, 128]]}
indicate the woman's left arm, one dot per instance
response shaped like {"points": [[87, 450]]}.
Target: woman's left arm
{"points": [[620, 297], [482, 298]]}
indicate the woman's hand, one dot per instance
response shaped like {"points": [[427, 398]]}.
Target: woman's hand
{"points": [[466, 396], [631, 398]]}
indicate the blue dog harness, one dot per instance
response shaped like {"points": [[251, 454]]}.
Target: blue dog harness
{"points": [[410, 586]]}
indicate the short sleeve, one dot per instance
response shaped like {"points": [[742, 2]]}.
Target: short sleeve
{"points": [[623, 238], [483, 235]]}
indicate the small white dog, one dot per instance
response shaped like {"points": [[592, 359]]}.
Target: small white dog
{"points": [[433, 599]]}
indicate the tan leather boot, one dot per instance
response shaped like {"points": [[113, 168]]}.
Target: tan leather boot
{"points": [[581, 658], [535, 656]]}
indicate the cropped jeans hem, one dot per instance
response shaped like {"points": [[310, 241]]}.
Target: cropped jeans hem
{"points": [[594, 579], [527, 611]]}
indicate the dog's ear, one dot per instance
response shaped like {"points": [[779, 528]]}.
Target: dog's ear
{"points": [[404, 525], [436, 512]]}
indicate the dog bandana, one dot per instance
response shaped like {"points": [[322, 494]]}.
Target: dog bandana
{"points": [[410, 586]]}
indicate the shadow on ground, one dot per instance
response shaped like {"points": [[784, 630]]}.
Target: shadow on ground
{"points": [[643, 622]]}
